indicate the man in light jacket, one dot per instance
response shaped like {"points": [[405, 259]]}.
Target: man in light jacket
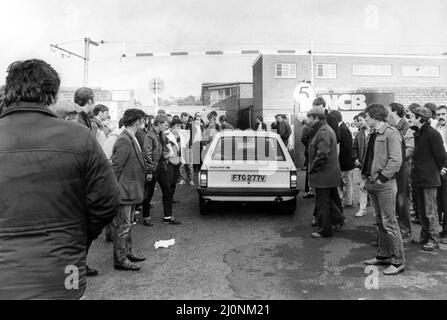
{"points": [[381, 164]]}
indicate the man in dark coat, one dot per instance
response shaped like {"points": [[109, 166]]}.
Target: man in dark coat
{"points": [[129, 168], [57, 190], [441, 126], [331, 120], [324, 174], [283, 128], [346, 160], [430, 162]]}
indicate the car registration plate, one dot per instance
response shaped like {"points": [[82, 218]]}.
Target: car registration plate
{"points": [[249, 178]]}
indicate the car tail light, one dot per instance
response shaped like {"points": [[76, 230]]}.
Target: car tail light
{"points": [[203, 179], [293, 179]]}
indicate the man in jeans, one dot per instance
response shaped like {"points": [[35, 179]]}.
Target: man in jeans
{"points": [[129, 168], [382, 162], [429, 164], [156, 153]]}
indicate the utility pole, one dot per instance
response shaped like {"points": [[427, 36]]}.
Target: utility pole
{"points": [[86, 57], [156, 95], [311, 52]]}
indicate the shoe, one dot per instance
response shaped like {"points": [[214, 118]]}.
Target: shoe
{"points": [[148, 222], [181, 182], [393, 270], [443, 240], [308, 196], [419, 242], [127, 266], [430, 246], [316, 235], [374, 244], [191, 183], [175, 201], [338, 226], [378, 262], [347, 206], [360, 213], [171, 221], [135, 258], [91, 272], [314, 223]]}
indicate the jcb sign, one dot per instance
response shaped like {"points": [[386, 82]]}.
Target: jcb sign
{"points": [[355, 101]]}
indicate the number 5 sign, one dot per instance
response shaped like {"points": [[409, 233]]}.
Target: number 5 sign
{"points": [[304, 95]]}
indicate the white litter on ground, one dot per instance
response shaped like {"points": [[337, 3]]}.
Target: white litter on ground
{"points": [[164, 243]]}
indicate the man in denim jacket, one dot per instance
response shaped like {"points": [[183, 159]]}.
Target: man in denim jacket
{"points": [[382, 161]]}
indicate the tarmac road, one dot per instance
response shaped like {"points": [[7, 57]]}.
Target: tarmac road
{"points": [[255, 252]]}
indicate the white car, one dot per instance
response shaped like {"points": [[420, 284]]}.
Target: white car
{"points": [[248, 166]]}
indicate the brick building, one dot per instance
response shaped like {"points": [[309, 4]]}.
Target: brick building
{"points": [[235, 98], [348, 82]]}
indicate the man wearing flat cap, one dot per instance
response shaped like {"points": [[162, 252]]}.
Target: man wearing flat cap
{"points": [[430, 162], [324, 173]]}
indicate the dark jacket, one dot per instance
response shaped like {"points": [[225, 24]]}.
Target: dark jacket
{"points": [[129, 169], [84, 119], [324, 168], [284, 130], [345, 157], [429, 158], [57, 192], [333, 123], [154, 151], [305, 136], [141, 135], [359, 146]]}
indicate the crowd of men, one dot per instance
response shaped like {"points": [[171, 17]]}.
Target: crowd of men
{"points": [[401, 155], [66, 175]]}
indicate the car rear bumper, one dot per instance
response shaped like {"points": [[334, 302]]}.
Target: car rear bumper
{"points": [[247, 192]]}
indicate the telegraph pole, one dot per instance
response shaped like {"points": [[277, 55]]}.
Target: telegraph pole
{"points": [[86, 57]]}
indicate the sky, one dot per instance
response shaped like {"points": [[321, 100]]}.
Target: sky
{"points": [[28, 27]]}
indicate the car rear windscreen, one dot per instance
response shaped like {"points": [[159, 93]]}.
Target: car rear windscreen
{"points": [[248, 148]]}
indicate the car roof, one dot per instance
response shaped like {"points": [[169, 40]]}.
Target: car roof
{"points": [[247, 133]]}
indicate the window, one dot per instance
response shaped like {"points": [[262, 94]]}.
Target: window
{"points": [[248, 148], [214, 96], [372, 70], [286, 70], [326, 71], [420, 71]]}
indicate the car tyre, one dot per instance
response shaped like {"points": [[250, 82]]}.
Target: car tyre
{"points": [[203, 207], [290, 206]]}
